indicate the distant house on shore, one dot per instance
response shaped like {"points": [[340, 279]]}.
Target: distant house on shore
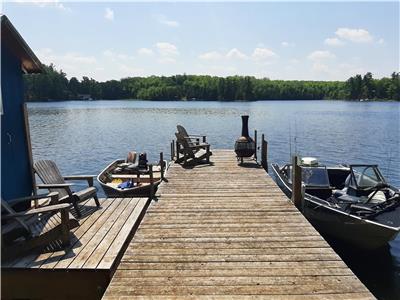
{"points": [[16, 58]]}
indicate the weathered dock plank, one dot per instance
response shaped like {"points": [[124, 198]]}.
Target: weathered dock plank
{"points": [[84, 268], [224, 231]]}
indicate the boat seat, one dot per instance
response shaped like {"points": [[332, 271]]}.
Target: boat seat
{"points": [[339, 193], [342, 194], [348, 198]]}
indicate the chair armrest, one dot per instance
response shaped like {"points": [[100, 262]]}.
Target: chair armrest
{"points": [[197, 135], [200, 146], [88, 178], [54, 185], [36, 211], [52, 195]]}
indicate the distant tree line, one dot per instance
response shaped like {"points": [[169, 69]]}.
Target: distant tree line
{"points": [[54, 85]]}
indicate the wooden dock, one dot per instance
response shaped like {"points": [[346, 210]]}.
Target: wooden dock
{"points": [[224, 231], [84, 269]]}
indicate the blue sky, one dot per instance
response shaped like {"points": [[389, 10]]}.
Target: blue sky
{"points": [[292, 40]]}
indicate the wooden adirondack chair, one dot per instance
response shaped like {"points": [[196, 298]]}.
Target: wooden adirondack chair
{"points": [[192, 153], [35, 227], [53, 181], [193, 139]]}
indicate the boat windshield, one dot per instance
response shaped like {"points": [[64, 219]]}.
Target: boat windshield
{"points": [[315, 176], [365, 176]]}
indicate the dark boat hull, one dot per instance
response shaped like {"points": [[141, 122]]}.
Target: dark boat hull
{"points": [[338, 224]]}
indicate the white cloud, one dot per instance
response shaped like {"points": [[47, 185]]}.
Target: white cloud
{"points": [[320, 67], [333, 42], [167, 49], [44, 3], [116, 56], [109, 14], [381, 41], [235, 54], [212, 55], [108, 53], [320, 55], [145, 51], [287, 44], [263, 54], [73, 63], [167, 60], [354, 35], [165, 21]]}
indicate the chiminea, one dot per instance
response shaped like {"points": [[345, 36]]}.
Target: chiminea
{"points": [[244, 146]]}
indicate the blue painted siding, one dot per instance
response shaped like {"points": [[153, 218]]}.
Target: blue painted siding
{"points": [[15, 169]]}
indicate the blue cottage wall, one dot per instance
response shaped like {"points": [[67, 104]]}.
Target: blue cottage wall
{"points": [[16, 180]]}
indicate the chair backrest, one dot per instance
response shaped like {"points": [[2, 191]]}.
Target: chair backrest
{"points": [[182, 131], [132, 157], [49, 173], [7, 207], [185, 144]]}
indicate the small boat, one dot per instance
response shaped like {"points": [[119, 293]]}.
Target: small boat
{"points": [[352, 203], [131, 177]]}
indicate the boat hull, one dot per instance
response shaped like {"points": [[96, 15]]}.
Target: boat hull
{"points": [[142, 189], [338, 224]]}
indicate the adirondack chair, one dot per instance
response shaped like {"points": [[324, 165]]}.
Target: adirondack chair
{"points": [[35, 227], [53, 181], [193, 139], [192, 153]]}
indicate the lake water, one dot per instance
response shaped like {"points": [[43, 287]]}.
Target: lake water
{"points": [[84, 136]]}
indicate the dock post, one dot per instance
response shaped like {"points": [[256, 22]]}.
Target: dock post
{"points": [[162, 165], [151, 181], [296, 182], [255, 144], [176, 150], [264, 153], [172, 150]]}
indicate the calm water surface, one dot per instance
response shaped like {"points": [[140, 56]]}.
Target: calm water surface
{"points": [[84, 136]]}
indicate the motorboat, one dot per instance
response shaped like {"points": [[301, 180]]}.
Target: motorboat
{"points": [[353, 203]]}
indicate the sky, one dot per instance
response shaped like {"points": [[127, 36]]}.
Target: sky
{"points": [[276, 40]]}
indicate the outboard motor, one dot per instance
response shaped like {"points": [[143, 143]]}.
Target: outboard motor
{"points": [[143, 160]]}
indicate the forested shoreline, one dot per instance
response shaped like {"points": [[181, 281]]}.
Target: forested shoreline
{"points": [[53, 85]]}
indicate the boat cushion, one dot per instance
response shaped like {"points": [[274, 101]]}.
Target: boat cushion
{"points": [[379, 197]]}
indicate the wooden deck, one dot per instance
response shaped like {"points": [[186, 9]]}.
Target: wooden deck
{"points": [[228, 232], [83, 270]]}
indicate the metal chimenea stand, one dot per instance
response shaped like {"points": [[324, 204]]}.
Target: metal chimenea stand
{"points": [[245, 146]]}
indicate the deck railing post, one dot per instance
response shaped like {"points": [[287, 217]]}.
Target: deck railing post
{"points": [[162, 165], [296, 182], [151, 181], [255, 144], [264, 153]]}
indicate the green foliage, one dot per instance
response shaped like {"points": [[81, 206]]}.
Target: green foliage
{"points": [[366, 87], [54, 85]]}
